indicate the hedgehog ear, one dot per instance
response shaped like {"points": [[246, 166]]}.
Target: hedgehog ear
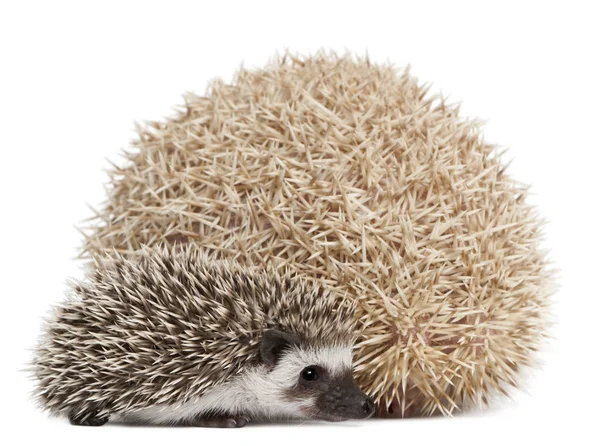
{"points": [[273, 345]]}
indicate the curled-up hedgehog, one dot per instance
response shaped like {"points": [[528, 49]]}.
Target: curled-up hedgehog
{"points": [[172, 337]]}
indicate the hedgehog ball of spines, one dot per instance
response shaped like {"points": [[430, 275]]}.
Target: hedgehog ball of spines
{"points": [[351, 174]]}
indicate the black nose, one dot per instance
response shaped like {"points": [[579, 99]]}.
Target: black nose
{"points": [[368, 407]]}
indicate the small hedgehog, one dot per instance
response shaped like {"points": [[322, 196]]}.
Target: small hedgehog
{"points": [[171, 337]]}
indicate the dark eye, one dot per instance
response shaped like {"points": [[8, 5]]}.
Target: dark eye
{"points": [[310, 373]]}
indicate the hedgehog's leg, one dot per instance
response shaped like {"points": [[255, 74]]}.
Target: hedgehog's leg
{"points": [[219, 421], [87, 419]]}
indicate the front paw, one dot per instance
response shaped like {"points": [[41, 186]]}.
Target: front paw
{"points": [[220, 421]]}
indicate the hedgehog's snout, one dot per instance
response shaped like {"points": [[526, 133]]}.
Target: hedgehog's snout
{"points": [[343, 399], [368, 407], [358, 406]]}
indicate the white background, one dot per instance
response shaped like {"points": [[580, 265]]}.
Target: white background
{"points": [[75, 76]]}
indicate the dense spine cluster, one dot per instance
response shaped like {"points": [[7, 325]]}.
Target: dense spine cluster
{"points": [[350, 174]]}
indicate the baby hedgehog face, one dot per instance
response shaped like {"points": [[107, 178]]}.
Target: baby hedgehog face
{"points": [[311, 382]]}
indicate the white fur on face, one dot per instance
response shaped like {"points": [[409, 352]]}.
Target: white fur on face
{"points": [[258, 393]]}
